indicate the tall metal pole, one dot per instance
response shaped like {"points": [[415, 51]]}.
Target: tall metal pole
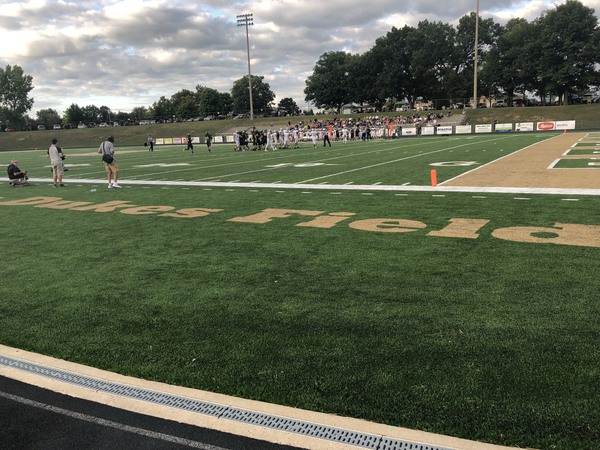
{"points": [[245, 20], [475, 99]]}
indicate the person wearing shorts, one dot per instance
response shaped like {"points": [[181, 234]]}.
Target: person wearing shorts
{"points": [[56, 155], [112, 170]]}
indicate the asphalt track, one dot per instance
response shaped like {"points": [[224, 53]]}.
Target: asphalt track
{"points": [[48, 403], [35, 418]]}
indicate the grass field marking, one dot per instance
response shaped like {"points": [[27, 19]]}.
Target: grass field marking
{"points": [[345, 187], [496, 160], [554, 163], [370, 166]]}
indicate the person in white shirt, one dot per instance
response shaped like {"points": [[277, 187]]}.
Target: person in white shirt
{"points": [[313, 136], [56, 162]]}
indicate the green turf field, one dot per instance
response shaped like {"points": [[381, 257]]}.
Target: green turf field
{"points": [[468, 314]]}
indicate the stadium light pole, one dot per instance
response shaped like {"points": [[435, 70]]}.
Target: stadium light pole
{"points": [[475, 99], [244, 20]]}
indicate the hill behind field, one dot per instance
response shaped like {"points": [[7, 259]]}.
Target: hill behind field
{"points": [[587, 117]]}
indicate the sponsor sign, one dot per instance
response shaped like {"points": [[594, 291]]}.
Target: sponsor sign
{"points": [[565, 124], [526, 126], [446, 129], [546, 126], [409, 132], [218, 139], [463, 129], [503, 128], [428, 131], [483, 128]]}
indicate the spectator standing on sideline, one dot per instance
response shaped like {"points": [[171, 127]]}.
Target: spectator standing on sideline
{"points": [[209, 138], [56, 157], [190, 145], [107, 149], [326, 138], [16, 176], [150, 143]]}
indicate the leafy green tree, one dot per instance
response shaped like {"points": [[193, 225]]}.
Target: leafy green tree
{"points": [[459, 83], [162, 109], [569, 50], [506, 67], [105, 114], [91, 113], [140, 113], [47, 117], [185, 104], [226, 102], [262, 96], [289, 106], [330, 85], [210, 102], [74, 115], [429, 46], [15, 87]]}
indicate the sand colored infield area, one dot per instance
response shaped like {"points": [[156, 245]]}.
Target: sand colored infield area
{"points": [[532, 166]]}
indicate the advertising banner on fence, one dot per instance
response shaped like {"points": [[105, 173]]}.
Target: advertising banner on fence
{"points": [[526, 126], [428, 131], [463, 129], [409, 131], [218, 139], [447, 129], [565, 124], [483, 128], [503, 128], [546, 126]]}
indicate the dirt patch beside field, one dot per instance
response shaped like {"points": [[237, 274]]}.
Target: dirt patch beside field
{"points": [[530, 167]]}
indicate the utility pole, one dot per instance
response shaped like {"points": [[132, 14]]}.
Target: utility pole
{"points": [[244, 20], [475, 99]]}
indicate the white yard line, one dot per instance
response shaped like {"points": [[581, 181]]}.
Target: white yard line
{"points": [[338, 187]]}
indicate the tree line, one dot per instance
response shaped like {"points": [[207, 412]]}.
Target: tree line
{"points": [[555, 54], [185, 104]]}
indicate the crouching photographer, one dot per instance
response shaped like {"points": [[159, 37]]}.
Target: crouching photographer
{"points": [[16, 176]]}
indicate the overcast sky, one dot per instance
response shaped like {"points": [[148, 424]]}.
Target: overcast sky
{"points": [[125, 54]]}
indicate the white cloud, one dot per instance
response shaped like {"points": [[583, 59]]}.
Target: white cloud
{"points": [[129, 53]]}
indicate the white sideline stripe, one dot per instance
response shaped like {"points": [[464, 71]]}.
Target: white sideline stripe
{"points": [[554, 163], [347, 187], [109, 423]]}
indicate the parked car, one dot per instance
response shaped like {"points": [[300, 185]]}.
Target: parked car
{"points": [[56, 126], [103, 125], [499, 104], [209, 118], [81, 125], [240, 116], [41, 127]]}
